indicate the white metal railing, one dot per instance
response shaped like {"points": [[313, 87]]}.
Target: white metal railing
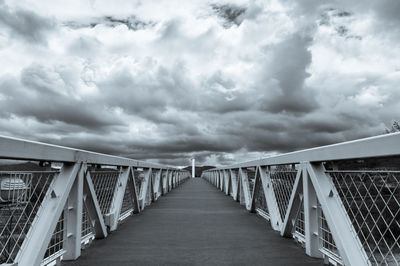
{"points": [[341, 201], [46, 216]]}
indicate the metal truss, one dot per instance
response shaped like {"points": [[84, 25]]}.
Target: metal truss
{"points": [[50, 216], [339, 207]]}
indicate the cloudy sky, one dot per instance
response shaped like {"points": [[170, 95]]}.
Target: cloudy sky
{"points": [[223, 81]]}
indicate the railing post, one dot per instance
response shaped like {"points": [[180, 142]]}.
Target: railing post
{"points": [[73, 218], [310, 217]]}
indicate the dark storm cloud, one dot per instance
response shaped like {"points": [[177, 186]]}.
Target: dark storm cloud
{"points": [[131, 22], [288, 66], [146, 95], [41, 95], [230, 13], [25, 24]]}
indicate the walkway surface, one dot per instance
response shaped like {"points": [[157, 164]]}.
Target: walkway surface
{"points": [[195, 224]]}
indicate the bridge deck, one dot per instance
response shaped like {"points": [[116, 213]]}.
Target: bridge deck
{"points": [[195, 224]]}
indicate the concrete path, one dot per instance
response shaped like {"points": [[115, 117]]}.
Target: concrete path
{"points": [[195, 224]]}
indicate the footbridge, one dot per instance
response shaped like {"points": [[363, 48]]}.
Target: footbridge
{"points": [[336, 204]]}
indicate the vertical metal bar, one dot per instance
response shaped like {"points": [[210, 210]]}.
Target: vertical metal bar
{"points": [[310, 216], [73, 218]]}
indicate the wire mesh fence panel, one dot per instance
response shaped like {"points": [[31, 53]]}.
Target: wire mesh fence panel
{"points": [[251, 174], [57, 239], [282, 183], [87, 227], [299, 226], [372, 202], [104, 185], [327, 244], [22, 194], [259, 198], [127, 204]]}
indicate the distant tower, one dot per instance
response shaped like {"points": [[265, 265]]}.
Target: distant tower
{"points": [[193, 168]]}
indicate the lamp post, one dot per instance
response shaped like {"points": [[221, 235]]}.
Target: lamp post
{"points": [[193, 168]]}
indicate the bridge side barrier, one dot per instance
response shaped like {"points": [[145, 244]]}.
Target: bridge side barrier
{"points": [[50, 215], [340, 202]]}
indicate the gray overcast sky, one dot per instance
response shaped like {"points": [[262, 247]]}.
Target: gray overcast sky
{"points": [[223, 81]]}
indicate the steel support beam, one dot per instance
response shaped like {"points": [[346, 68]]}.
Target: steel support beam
{"points": [[73, 218]]}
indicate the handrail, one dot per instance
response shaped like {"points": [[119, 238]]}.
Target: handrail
{"points": [[345, 212], [49, 214], [20, 149], [377, 146]]}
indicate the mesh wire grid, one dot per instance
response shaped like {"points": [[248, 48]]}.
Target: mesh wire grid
{"points": [[22, 194], [87, 227], [299, 227], [251, 174], [57, 239], [127, 204], [282, 183], [259, 198], [372, 202], [325, 236], [104, 185]]}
